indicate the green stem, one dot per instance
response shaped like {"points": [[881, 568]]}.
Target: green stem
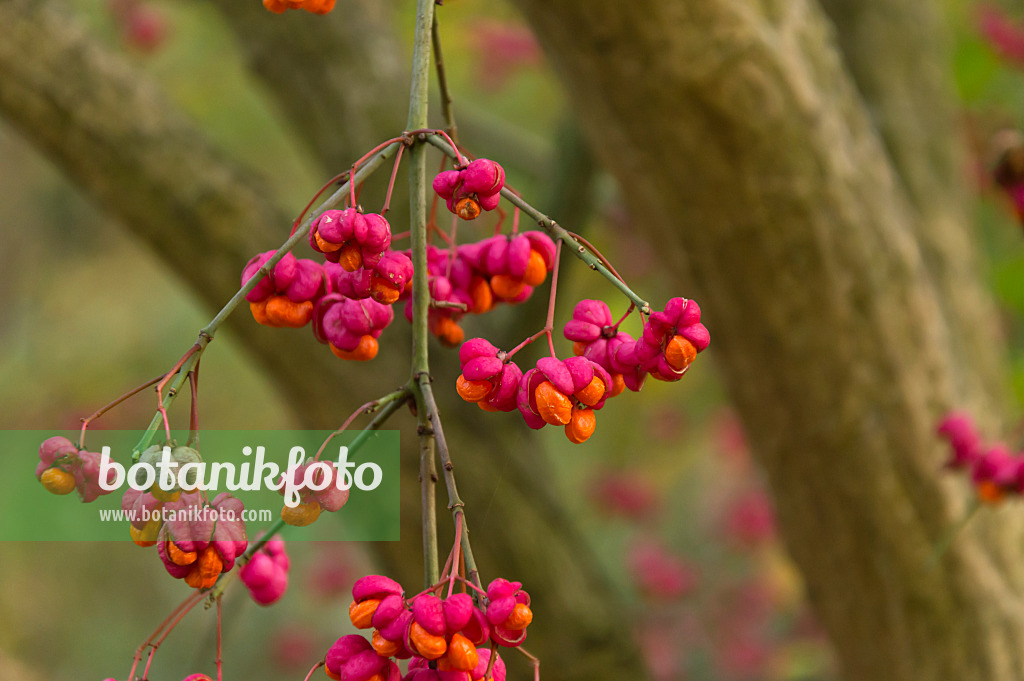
{"points": [[418, 105], [428, 497], [455, 503], [383, 415], [557, 232], [370, 407], [172, 392]]}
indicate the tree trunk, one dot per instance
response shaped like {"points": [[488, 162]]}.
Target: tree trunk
{"points": [[838, 283]]}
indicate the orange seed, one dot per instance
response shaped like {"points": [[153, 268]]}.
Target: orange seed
{"points": [[592, 393], [581, 425], [449, 332], [383, 291], [325, 246], [384, 647], [319, 6], [147, 535], [679, 353], [554, 407], [301, 515], [361, 613], [472, 391], [519, 618], [536, 270], [351, 258], [364, 352], [618, 385], [205, 571], [462, 654], [426, 644], [480, 295], [57, 481], [259, 313], [467, 208], [282, 311], [179, 557], [506, 287]]}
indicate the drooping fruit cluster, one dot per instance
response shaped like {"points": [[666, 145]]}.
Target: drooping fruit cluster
{"points": [[564, 393], [198, 541], [568, 392], [670, 341], [349, 296], [63, 468], [487, 378], [471, 189], [350, 238], [323, 494], [513, 265], [994, 471], [442, 636], [312, 6], [478, 276], [351, 327], [286, 296], [266, 573]]}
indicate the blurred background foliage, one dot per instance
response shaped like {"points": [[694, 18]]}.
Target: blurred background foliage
{"points": [[666, 492]]}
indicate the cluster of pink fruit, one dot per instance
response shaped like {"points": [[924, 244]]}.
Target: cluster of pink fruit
{"points": [[348, 297], [995, 471], [63, 468], [442, 638], [266, 573], [327, 496], [196, 540], [568, 392]]}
